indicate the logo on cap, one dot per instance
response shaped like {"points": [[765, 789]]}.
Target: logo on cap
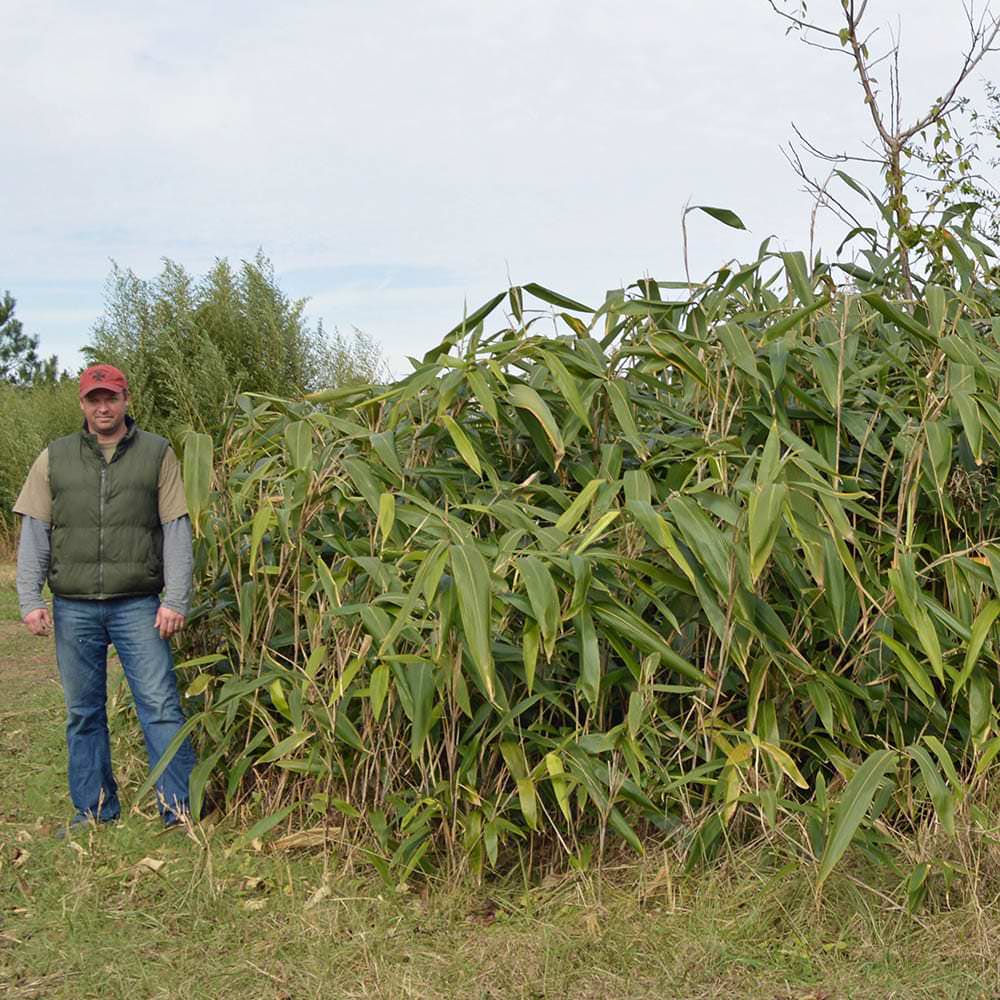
{"points": [[102, 377]]}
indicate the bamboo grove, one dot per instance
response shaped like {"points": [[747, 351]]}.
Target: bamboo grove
{"points": [[707, 558]]}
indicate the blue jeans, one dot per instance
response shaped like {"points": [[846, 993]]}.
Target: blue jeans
{"points": [[84, 630]]}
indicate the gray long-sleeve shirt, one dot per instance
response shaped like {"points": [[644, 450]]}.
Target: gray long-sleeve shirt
{"points": [[35, 549]]}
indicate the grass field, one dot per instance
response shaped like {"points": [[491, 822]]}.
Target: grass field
{"points": [[131, 911]]}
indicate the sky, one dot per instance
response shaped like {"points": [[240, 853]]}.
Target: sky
{"points": [[401, 162]]}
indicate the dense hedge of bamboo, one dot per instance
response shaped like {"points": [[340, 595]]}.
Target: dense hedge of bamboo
{"points": [[704, 557]]}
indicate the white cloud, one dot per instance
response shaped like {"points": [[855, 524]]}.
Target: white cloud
{"points": [[557, 139]]}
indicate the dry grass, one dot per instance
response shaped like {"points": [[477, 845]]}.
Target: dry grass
{"points": [[128, 911], [98, 921]]}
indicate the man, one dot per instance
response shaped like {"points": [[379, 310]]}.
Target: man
{"points": [[104, 519]]}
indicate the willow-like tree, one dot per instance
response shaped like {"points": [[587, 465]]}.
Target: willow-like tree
{"points": [[904, 231], [190, 345]]}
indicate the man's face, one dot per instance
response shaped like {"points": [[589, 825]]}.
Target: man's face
{"points": [[104, 411]]}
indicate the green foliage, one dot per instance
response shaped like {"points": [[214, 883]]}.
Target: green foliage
{"points": [[30, 417], [685, 566], [961, 156], [189, 346], [19, 360]]}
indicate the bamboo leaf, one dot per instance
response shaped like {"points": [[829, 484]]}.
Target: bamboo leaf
{"points": [[620, 825], [704, 539], [980, 708], [262, 827], [784, 762], [462, 443], [777, 330], [654, 525], [560, 784], [598, 529], [529, 652], [764, 516], [468, 324], [567, 521], [734, 340], [899, 318], [797, 272], [420, 682], [944, 759], [723, 215], [980, 630], [944, 801], [366, 483], [618, 396], [199, 685], [968, 411], [567, 386], [286, 747], [386, 515], [173, 746], [479, 385], [298, 440], [378, 688], [529, 804], [590, 657], [988, 755], [197, 475], [262, 520], [555, 299], [628, 625], [472, 580], [909, 663], [526, 398], [853, 807], [544, 598]]}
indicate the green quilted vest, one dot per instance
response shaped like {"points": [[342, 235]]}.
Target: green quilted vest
{"points": [[106, 535]]}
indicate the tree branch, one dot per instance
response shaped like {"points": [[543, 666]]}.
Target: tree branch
{"points": [[833, 157], [799, 23], [984, 41]]}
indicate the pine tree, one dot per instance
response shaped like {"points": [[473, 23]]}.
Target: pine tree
{"points": [[19, 360]]}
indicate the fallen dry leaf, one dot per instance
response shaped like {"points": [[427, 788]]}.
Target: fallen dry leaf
{"points": [[318, 896], [150, 864], [315, 837]]}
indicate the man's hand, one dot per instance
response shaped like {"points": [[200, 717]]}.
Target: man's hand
{"points": [[168, 622], [38, 621]]}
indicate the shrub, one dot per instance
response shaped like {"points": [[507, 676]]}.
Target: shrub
{"points": [[189, 346], [688, 566], [30, 417]]}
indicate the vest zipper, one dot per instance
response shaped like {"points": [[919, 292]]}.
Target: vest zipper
{"points": [[100, 531]]}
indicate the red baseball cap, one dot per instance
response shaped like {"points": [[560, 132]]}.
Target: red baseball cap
{"points": [[102, 377]]}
